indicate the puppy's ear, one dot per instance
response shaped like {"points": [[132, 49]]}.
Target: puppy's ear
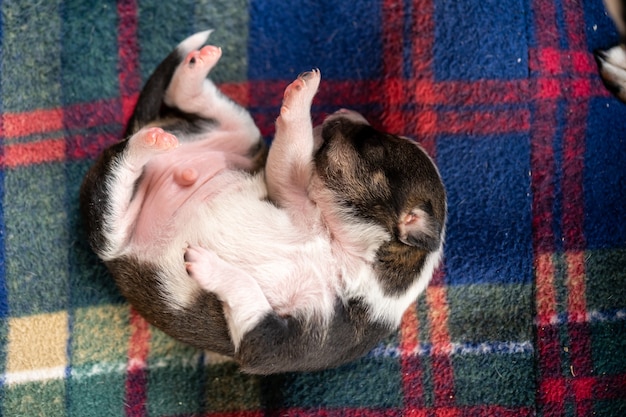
{"points": [[420, 229]]}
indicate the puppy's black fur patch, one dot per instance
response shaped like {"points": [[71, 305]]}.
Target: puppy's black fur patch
{"points": [[279, 343], [200, 324]]}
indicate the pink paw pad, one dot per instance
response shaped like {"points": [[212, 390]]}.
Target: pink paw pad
{"points": [[297, 85], [157, 138], [300, 91], [211, 51], [207, 56]]}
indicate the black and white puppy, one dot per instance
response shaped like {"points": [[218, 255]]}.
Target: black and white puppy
{"points": [[612, 62], [302, 258]]}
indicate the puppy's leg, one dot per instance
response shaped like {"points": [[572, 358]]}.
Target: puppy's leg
{"points": [[289, 163], [109, 189], [189, 90], [244, 302], [192, 92]]}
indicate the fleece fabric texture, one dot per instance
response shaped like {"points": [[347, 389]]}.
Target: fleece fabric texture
{"points": [[527, 315]]}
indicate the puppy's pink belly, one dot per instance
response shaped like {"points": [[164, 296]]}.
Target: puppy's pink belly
{"points": [[170, 188]]}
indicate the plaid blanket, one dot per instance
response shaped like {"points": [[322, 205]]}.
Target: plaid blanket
{"points": [[527, 316]]}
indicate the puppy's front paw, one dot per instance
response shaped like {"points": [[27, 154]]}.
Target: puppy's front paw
{"points": [[147, 143], [299, 95], [155, 138]]}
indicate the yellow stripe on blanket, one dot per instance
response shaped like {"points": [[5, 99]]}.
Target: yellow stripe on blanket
{"points": [[37, 348]]}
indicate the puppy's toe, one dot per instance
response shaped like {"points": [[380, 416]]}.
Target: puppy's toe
{"points": [[307, 75], [299, 94], [193, 253], [202, 61], [156, 138], [211, 53]]}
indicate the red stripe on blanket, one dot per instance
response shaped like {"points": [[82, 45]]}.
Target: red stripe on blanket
{"points": [[574, 245], [610, 387], [238, 92], [545, 60], [485, 92], [555, 391], [542, 133], [552, 392], [544, 289], [576, 287], [392, 31], [75, 147], [422, 123], [483, 122], [551, 63], [412, 378], [392, 91], [423, 38], [93, 114], [572, 222], [129, 75], [442, 371], [572, 178], [80, 147], [269, 94], [572, 183], [28, 123], [559, 389], [130, 83], [574, 24], [136, 377], [78, 116], [33, 153], [545, 16]]}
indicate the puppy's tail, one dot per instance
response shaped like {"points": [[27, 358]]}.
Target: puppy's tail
{"points": [[150, 100]]}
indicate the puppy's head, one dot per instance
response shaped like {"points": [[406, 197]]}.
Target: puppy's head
{"points": [[382, 179]]}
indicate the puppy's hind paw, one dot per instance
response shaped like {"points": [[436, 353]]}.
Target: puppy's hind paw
{"points": [[204, 59], [299, 94]]}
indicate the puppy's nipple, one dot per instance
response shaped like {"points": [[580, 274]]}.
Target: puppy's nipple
{"points": [[185, 177]]}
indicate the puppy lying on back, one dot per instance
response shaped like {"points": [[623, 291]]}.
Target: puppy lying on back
{"points": [[302, 264], [612, 62]]}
